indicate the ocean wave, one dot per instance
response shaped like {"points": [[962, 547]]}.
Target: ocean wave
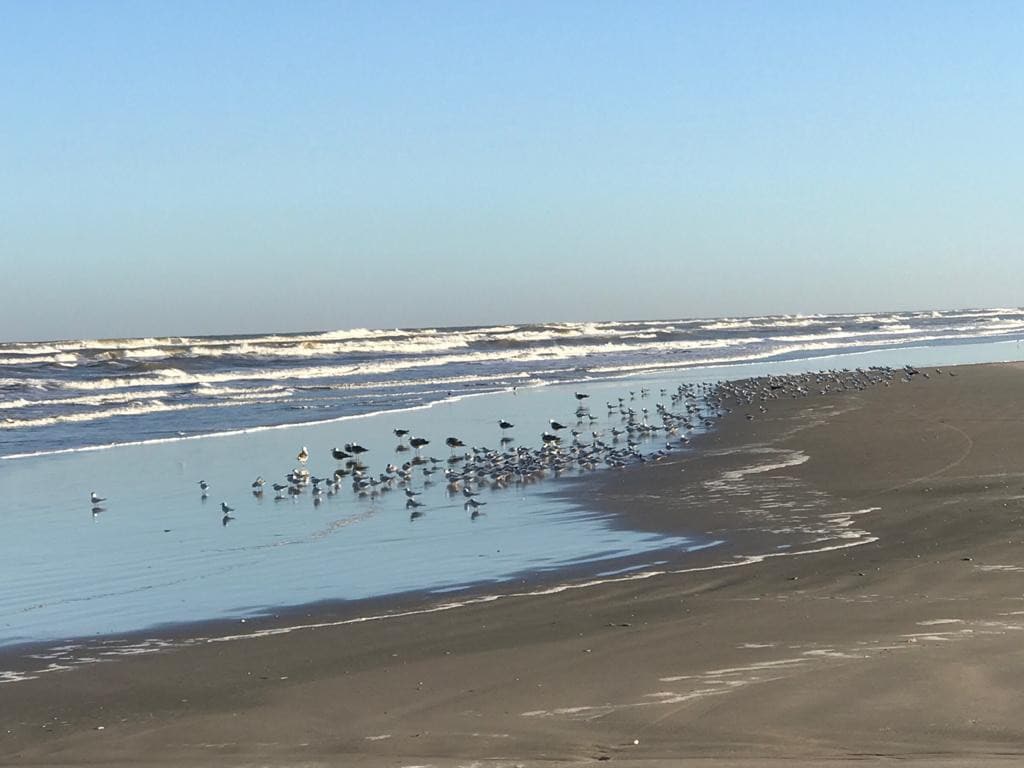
{"points": [[852, 334], [166, 375], [62, 358], [352, 370], [784, 350], [785, 321], [137, 408], [422, 343], [84, 400]]}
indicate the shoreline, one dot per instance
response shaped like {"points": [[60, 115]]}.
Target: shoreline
{"points": [[584, 491], [904, 646], [472, 389]]}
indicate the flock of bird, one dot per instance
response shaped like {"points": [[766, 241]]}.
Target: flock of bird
{"points": [[630, 425]]}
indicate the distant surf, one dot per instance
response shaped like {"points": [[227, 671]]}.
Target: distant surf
{"points": [[138, 390]]}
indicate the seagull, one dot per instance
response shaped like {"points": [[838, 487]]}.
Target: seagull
{"points": [[555, 425], [418, 442], [355, 448], [340, 454], [581, 396], [225, 508], [303, 455], [400, 433], [96, 499], [504, 425], [454, 442]]}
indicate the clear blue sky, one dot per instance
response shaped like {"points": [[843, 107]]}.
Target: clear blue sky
{"points": [[184, 168]]}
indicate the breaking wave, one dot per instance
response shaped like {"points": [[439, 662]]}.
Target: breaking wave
{"points": [[165, 384]]}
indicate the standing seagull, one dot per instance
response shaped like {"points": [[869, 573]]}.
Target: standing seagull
{"points": [[581, 396], [303, 455], [96, 499], [505, 424], [225, 508]]}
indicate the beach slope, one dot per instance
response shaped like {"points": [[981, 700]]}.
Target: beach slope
{"points": [[903, 640]]}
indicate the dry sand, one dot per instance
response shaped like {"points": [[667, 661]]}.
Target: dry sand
{"points": [[910, 647]]}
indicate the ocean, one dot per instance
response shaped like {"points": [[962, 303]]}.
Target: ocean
{"points": [[67, 395], [141, 422]]}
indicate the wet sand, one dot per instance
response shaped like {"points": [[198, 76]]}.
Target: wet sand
{"points": [[910, 646]]}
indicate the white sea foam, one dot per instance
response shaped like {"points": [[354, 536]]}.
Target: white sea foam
{"points": [[136, 408]]}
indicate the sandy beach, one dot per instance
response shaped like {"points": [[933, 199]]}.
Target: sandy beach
{"points": [[905, 647]]}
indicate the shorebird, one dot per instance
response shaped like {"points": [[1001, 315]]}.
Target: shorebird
{"points": [[581, 396], [96, 499], [418, 442], [303, 455], [400, 433], [225, 508], [355, 448], [454, 442], [504, 425], [257, 486], [555, 425], [339, 454]]}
